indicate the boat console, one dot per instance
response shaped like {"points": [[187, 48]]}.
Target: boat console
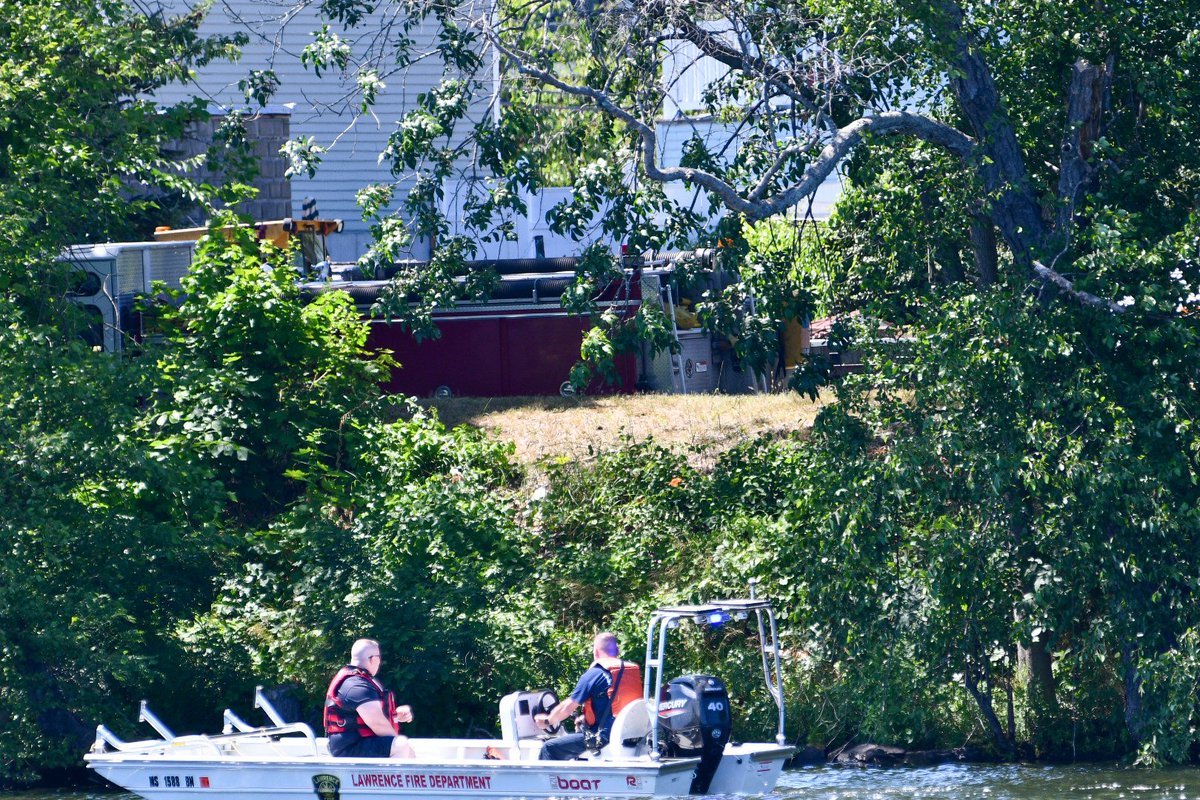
{"points": [[517, 711]]}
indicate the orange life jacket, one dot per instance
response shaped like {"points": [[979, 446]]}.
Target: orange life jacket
{"points": [[339, 720], [626, 687]]}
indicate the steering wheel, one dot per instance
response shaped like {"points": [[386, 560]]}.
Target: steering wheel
{"points": [[545, 705]]}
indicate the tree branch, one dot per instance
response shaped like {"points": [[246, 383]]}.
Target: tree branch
{"points": [[782, 82], [781, 159], [840, 145], [1014, 207], [849, 136], [1087, 298], [1085, 105]]}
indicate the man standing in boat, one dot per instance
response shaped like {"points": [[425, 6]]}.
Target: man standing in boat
{"points": [[362, 719], [603, 690]]}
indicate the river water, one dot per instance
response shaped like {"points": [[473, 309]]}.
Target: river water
{"points": [[950, 782]]}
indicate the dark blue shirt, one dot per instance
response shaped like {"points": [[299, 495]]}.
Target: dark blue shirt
{"points": [[594, 685]]}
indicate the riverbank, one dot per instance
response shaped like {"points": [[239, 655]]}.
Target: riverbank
{"points": [[702, 426]]}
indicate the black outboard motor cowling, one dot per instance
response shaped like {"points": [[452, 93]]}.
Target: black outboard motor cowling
{"points": [[694, 720]]}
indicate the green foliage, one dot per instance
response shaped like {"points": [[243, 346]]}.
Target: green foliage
{"points": [[790, 264], [131, 482], [612, 534], [416, 553], [106, 540], [1019, 488], [257, 383], [997, 515], [76, 127], [900, 231]]}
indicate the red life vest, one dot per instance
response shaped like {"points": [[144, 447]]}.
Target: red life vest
{"points": [[339, 719], [626, 687]]}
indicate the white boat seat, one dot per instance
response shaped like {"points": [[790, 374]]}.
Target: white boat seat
{"points": [[629, 732]]}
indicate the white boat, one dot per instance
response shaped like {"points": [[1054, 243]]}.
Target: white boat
{"points": [[687, 752]]}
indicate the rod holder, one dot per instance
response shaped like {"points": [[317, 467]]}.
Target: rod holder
{"points": [[106, 738], [261, 701], [147, 716], [235, 723]]}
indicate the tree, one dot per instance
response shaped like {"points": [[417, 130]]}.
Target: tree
{"points": [[414, 545], [134, 487], [1036, 113], [256, 380], [78, 126], [108, 541], [1032, 166]]}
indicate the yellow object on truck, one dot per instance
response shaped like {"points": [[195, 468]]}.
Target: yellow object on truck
{"points": [[311, 232]]}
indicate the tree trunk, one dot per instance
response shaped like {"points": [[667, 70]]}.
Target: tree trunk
{"points": [[1037, 665], [1086, 99], [1010, 704], [983, 241], [977, 680], [984, 701], [1135, 720], [1001, 165]]}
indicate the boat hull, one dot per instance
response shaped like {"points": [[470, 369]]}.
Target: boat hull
{"points": [[345, 779], [163, 775], [749, 769]]}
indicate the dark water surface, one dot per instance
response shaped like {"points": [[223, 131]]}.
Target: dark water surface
{"points": [[1019, 782], [951, 782]]}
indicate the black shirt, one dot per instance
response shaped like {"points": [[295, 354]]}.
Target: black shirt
{"points": [[353, 692]]}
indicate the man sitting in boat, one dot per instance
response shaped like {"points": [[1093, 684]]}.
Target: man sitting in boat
{"points": [[603, 690], [362, 719]]}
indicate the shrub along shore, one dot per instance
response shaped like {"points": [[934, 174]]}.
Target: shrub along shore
{"points": [[238, 504]]}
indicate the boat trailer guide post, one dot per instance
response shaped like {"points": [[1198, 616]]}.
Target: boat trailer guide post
{"points": [[668, 743]]}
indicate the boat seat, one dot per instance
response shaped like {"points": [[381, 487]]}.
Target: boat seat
{"points": [[629, 732]]}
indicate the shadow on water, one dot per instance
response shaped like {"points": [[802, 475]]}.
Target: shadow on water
{"points": [[947, 782]]}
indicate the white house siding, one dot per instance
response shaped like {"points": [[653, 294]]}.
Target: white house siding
{"points": [[532, 226], [687, 74], [323, 108]]}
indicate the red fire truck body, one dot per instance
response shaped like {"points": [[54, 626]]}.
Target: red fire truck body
{"points": [[519, 342], [482, 354]]}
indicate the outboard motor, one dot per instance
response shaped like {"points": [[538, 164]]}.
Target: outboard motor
{"points": [[694, 720]]}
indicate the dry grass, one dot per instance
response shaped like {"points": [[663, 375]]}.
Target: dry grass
{"points": [[542, 427]]}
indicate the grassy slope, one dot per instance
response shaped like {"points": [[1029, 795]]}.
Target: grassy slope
{"points": [[543, 427]]}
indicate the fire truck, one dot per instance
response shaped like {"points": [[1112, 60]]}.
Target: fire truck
{"points": [[519, 341], [113, 279]]}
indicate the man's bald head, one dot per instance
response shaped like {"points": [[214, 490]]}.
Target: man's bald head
{"points": [[363, 651]]}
